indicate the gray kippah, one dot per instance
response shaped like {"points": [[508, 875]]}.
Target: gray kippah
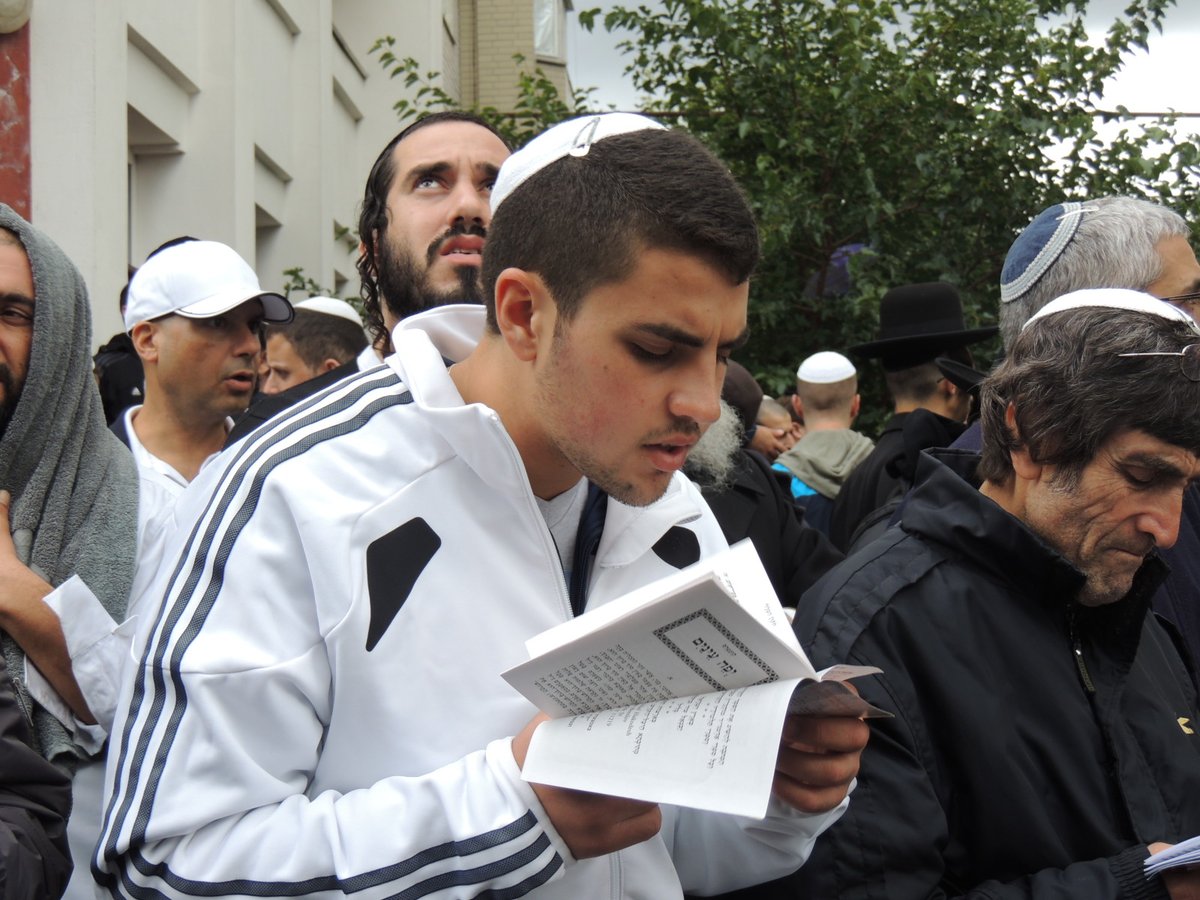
{"points": [[1037, 248]]}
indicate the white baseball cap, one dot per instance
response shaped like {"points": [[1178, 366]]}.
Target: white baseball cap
{"points": [[331, 306], [571, 138], [825, 367], [199, 280]]}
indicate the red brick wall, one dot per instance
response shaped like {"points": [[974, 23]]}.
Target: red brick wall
{"points": [[14, 120]]}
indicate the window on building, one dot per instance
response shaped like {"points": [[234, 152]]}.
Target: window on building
{"points": [[548, 23]]}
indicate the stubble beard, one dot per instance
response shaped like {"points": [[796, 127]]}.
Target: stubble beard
{"points": [[404, 282], [605, 476], [1105, 585], [12, 395]]}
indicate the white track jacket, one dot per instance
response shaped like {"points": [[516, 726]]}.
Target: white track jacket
{"points": [[319, 711]]}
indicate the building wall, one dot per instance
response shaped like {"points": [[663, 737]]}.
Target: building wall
{"points": [[14, 119], [503, 29], [252, 122]]}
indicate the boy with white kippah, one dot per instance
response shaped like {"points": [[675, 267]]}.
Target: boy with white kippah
{"points": [[1044, 742], [827, 399], [320, 710], [325, 337]]}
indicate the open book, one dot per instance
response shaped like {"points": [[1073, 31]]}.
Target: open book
{"points": [[676, 693]]}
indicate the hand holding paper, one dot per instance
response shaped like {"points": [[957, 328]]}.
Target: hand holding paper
{"points": [[590, 824], [818, 759]]}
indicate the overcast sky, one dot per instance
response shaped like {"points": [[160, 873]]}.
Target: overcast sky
{"points": [[1166, 78]]}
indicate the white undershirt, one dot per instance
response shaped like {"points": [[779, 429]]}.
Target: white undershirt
{"points": [[562, 515]]}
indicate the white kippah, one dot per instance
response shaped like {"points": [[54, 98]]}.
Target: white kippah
{"points": [[1114, 298], [331, 306], [825, 367], [571, 138]]}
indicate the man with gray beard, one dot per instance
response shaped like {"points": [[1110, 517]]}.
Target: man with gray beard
{"points": [[749, 502]]}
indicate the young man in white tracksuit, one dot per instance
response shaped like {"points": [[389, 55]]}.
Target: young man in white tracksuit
{"points": [[319, 710]]}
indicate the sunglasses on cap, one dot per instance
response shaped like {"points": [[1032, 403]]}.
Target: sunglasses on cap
{"points": [[1189, 358]]}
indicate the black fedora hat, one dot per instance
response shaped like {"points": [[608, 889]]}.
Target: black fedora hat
{"points": [[917, 322], [960, 374]]}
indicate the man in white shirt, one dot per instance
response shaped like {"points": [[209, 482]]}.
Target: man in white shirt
{"points": [[319, 709], [195, 314]]}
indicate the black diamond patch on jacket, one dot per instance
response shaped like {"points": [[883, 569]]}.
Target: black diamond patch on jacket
{"points": [[679, 547], [394, 562]]}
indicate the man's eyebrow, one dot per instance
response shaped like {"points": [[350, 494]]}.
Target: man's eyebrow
{"points": [[426, 170], [1155, 464], [437, 169], [19, 299], [687, 339]]}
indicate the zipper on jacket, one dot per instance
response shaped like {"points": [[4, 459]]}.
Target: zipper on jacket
{"points": [[1077, 650], [587, 542], [548, 545]]}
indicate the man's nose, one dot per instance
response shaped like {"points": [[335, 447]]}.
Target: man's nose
{"points": [[1161, 521], [470, 205]]}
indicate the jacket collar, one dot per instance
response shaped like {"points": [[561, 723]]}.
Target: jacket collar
{"points": [[424, 344]]}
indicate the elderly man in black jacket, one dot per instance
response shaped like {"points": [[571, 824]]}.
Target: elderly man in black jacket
{"points": [[1044, 742]]}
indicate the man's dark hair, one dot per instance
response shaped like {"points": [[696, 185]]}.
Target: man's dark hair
{"points": [[165, 245], [918, 383], [581, 221], [1072, 390], [318, 336], [373, 216]]}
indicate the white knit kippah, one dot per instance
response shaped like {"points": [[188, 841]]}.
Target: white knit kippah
{"points": [[1114, 298], [331, 306], [825, 367], [571, 138]]}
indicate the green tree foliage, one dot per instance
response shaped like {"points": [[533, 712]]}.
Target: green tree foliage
{"points": [[538, 106], [927, 131]]}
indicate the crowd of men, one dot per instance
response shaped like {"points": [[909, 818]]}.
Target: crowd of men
{"points": [[254, 622]]}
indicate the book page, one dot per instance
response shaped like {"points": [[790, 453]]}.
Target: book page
{"points": [[737, 570], [692, 642], [711, 751]]}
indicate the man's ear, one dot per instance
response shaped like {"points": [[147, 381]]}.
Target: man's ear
{"points": [[145, 337], [1023, 464], [798, 406], [855, 406], [362, 252], [327, 365], [525, 312]]}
